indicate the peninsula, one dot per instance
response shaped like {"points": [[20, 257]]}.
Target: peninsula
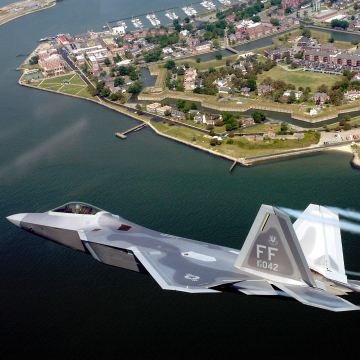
{"points": [[21, 8], [226, 106]]}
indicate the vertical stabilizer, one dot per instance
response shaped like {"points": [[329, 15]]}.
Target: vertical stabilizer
{"points": [[272, 250], [318, 231]]}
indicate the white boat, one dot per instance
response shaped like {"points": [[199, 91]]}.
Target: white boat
{"points": [[136, 22], [171, 15], [153, 19], [208, 5], [225, 2], [189, 11]]}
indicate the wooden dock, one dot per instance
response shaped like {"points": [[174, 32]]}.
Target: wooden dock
{"points": [[136, 128], [232, 166]]}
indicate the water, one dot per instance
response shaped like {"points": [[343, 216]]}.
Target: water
{"points": [[58, 303]]}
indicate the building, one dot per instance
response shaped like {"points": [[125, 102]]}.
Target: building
{"points": [[152, 107], [189, 79], [202, 46], [220, 82], [297, 94], [224, 89], [178, 114], [162, 109], [325, 14], [318, 56], [352, 95], [245, 91], [51, 63], [289, 3], [263, 89], [320, 97]]}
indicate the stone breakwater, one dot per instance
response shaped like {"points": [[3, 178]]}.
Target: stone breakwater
{"points": [[355, 162]]}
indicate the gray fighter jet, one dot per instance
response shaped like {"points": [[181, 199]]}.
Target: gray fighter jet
{"points": [[303, 261]]}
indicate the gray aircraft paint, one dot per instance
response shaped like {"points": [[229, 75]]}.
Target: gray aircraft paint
{"points": [[188, 265]]}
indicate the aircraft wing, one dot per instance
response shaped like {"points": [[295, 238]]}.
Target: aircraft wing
{"points": [[317, 297], [175, 263]]}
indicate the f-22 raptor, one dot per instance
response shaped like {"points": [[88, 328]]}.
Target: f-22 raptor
{"points": [[303, 260]]}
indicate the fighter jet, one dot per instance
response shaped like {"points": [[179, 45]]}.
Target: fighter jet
{"points": [[303, 260]]}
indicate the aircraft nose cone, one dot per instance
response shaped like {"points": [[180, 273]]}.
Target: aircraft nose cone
{"points": [[15, 219]]}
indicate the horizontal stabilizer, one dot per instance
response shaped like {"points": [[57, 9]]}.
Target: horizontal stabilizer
{"points": [[317, 298], [318, 231], [255, 287]]}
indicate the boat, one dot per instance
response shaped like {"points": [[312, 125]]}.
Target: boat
{"points": [[153, 19], [208, 5], [122, 23], [136, 22], [225, 2], [104, 27], [171, 15], [189, 11]]}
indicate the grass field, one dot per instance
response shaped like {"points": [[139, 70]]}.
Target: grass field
{"points": [[241, 146], [261, 128], [71, 89], [299, 78], [161, 78], [58, 80], [77, 80], [85, 93], [182, 133], [208, 64], [54, 87]]}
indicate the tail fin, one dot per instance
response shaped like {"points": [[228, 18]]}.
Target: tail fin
{"points": [[272, 250], [318, 231]]}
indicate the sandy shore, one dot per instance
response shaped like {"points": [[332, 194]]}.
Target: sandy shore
{"points": [[345, 148]]}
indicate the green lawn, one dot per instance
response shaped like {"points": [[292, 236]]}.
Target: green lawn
{"points": [[86, 94], [179, 132], [54, 87], [77, 80], [299, 78], [58, 80], [208, 64], [261, 128], [72, 90], [161, 78]]}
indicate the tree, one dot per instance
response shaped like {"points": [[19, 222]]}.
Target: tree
{"points": [[209, 127], [331, 40], [107, 61], [306, 32], [288, 60], [34, 60], [169, 64], [251, 84], [258, 116], [197, 90], [231, 134], [134, 88], [180, 103], [346, 117], [256, 18], [216, 44], [218, 56], [118, 81], [323, 88], [113, 97], [274, 21], [354, 42], [167, 113], [92, 90], [105, 92], [288, 10], [284, 126], [193, 106], [198, 60]]}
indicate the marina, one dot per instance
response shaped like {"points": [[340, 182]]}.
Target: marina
{"points": [[137, 23], [225, 2], [189, 10], [122, 23], [208, 5], [171, 15], [153, 19]]}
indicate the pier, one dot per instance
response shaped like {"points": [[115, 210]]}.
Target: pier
{"points": [[233, 165], [136, 128]]}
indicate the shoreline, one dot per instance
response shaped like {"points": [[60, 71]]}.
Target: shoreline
{"points": [[27, 13], [245, 162]]}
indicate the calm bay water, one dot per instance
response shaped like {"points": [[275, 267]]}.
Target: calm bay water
{"points": [[57, 303]]}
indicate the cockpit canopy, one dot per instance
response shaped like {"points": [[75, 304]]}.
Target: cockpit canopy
{"points": [[77, 208]]}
